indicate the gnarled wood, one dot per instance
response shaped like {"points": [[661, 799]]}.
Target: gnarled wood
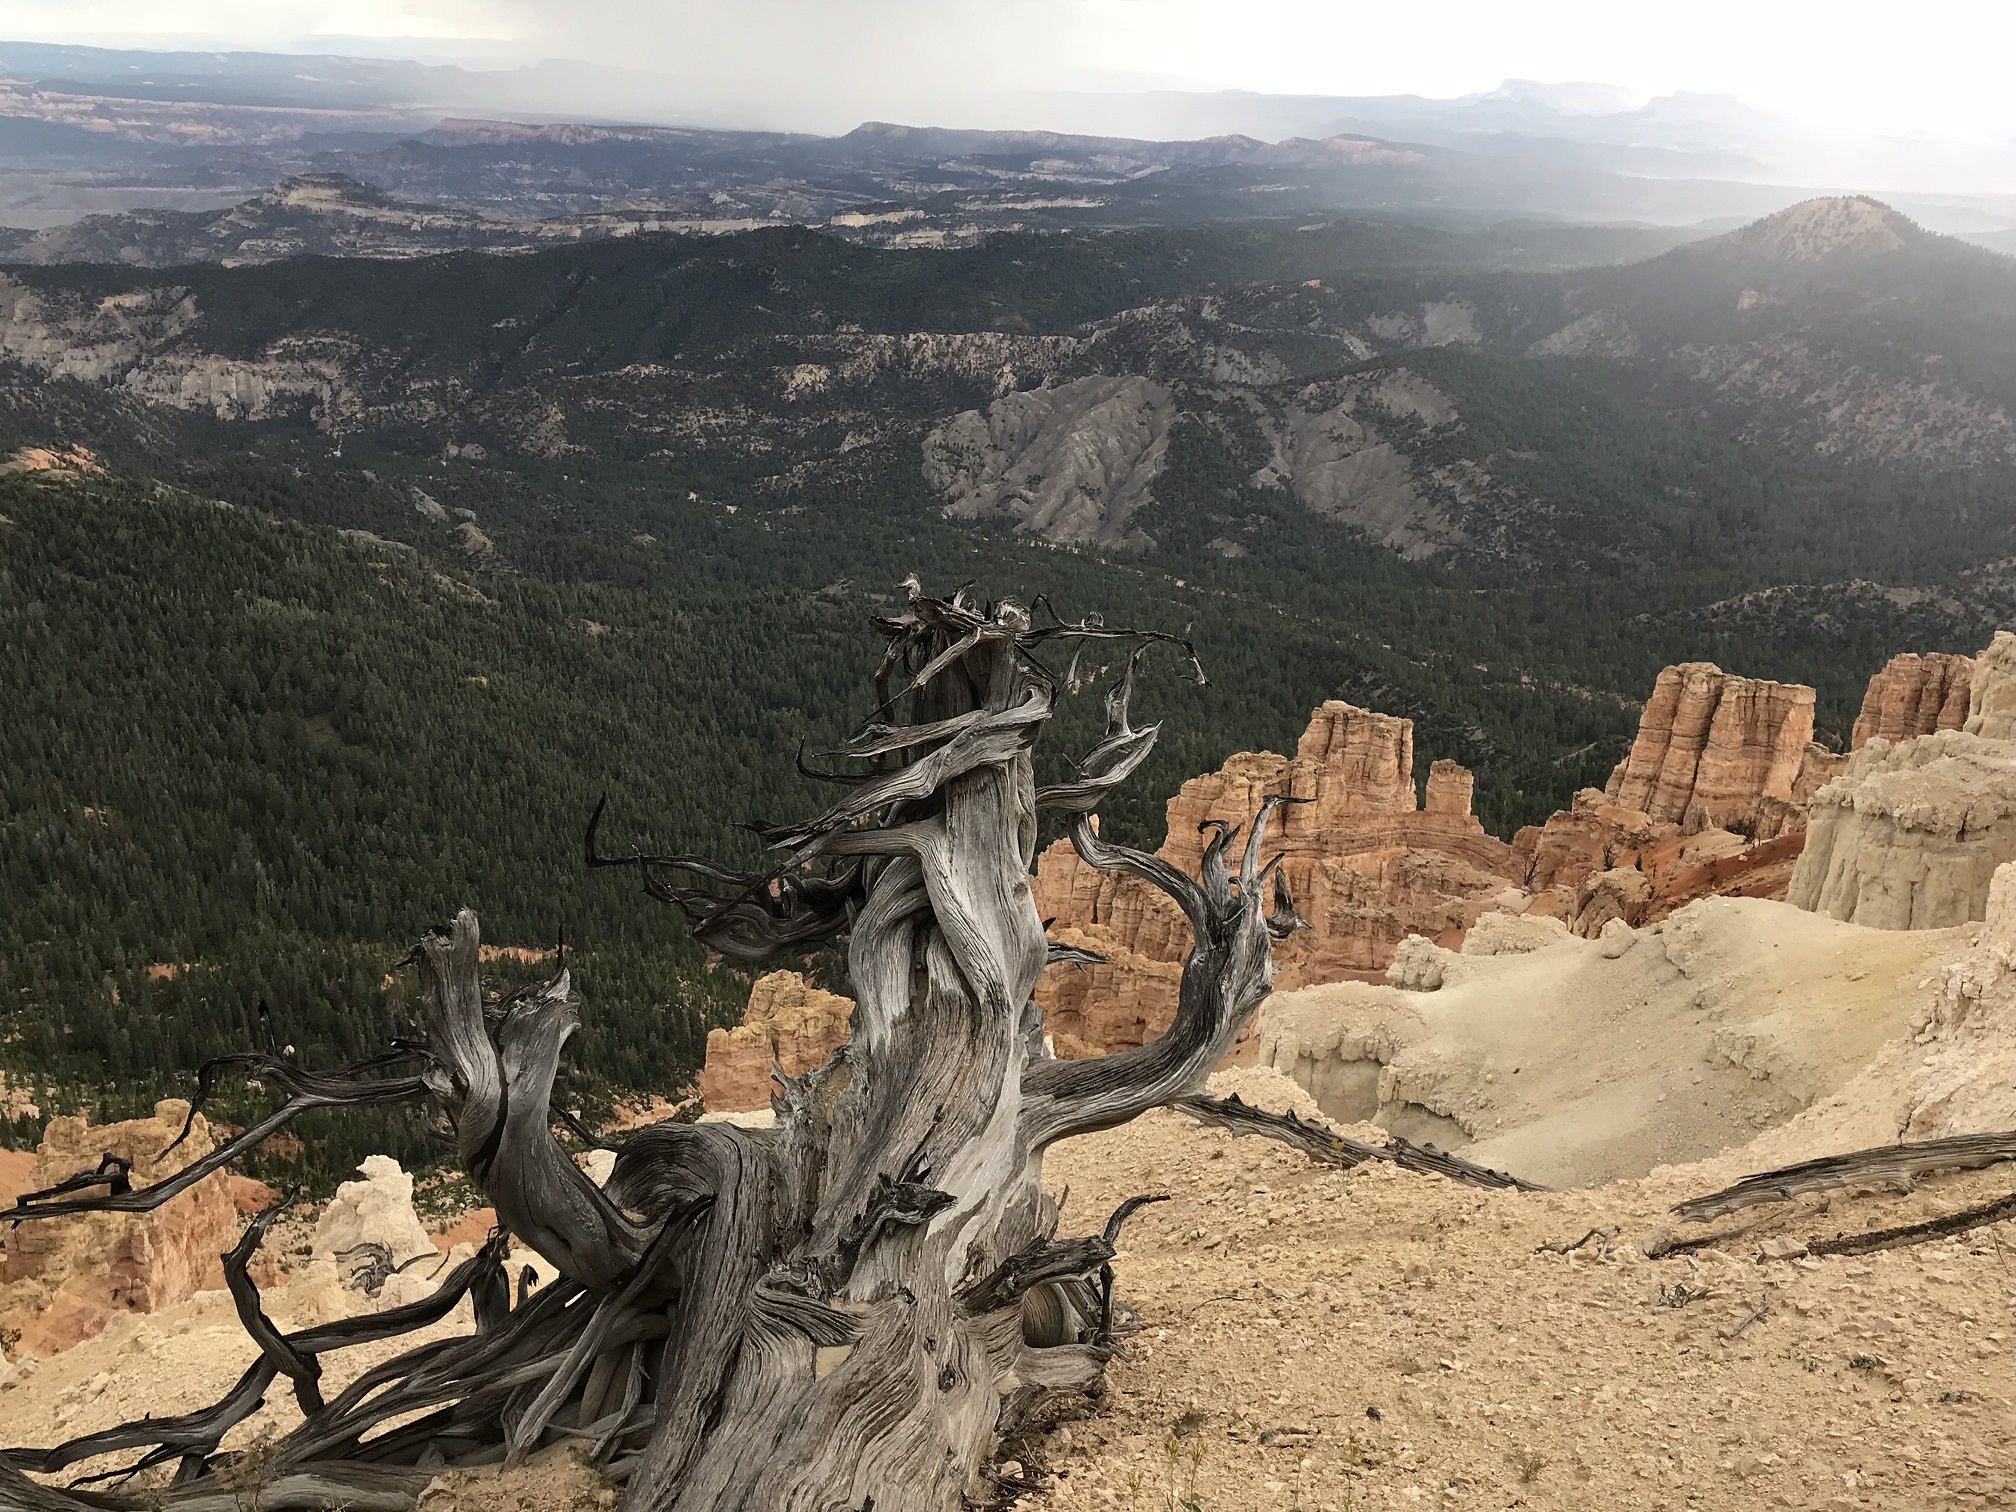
{"points": [[860, 1306]]}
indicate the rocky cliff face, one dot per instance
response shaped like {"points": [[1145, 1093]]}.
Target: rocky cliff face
{"points": [[1327, 452], [1991, 708], [64, 1277], [1718, 751], [1073, 464], [1914, 695], [789, 1024], [1910, 834], [140, 341], [1366, 862], [1597, 860], [1724, 770]]}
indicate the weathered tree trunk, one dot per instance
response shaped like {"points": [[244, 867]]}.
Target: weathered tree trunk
{"points": [[862, 1306]]}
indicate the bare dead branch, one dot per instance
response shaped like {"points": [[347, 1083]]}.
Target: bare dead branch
{"points": [[1999, 1211], [1898, 1165], [1320, 1142]]}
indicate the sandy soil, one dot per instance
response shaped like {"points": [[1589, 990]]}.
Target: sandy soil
{"points": [[1283, 1306], [1339, 1341], [1587, 1061]]}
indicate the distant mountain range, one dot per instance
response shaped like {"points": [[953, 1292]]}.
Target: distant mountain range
{"points": [[93, 130]]}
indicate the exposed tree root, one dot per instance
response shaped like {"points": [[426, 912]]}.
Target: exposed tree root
{"points": [[860, 1306]]}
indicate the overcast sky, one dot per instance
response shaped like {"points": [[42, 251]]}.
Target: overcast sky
{"points": [[1937, 65]]}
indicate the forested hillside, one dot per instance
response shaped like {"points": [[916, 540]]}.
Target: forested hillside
{"points": [[377, 577]]}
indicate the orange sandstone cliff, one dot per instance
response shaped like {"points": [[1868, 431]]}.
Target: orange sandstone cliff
{"points": [[1710, 800], [1915, 695], [789, 1024], [1366, 861], [65, 1277], [1717, 751]]}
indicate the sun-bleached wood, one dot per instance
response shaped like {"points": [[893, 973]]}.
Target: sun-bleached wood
{"points": [[865, 1305]]}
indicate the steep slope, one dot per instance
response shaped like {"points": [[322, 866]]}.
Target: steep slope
{"points": [[1837, 325]]}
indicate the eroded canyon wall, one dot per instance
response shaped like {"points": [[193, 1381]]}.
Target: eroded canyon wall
{"points": [[1910, 834], [65, 1277], [1712, 799]]}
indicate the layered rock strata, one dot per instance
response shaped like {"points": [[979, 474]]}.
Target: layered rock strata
{"points": [[1717, 751], [1910, 834], [1366, 861], [1579, 864], [65, 1277], [1712, 800], [789, 1024], [1914, 695]]}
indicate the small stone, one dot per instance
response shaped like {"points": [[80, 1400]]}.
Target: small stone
{"points": [[1781, 1248]]}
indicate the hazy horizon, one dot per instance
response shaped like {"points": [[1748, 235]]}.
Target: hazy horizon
{"points": [[810, 65]]}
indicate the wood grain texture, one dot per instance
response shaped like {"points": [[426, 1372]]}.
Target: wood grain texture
{"points": [[867, 1304]]}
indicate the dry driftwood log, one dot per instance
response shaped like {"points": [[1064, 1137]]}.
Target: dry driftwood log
{"points": [[1887, 1165], [1319, 1142], [865, 1306], [2001, 1210]]}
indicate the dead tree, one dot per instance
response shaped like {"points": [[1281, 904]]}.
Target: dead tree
{"points": [[864, 1306]]}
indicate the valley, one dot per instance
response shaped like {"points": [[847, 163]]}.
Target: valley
{"points": [[1382, 462], [861, 758]]}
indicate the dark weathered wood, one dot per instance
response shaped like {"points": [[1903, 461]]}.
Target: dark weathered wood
{"points": [[1899, 1165], [1998, 1211], [867, 1304], [1320, 1142]]}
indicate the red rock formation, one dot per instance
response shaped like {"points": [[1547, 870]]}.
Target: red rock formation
{"points": [[66, 1276], [1450, 789], [1712, 747], [1368, 866], [1623, 892], [1579, 863], [1914, 695], [1592, 835], [1094, 1010], [1366, 863], [789, 1023], [1690, 871]]}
